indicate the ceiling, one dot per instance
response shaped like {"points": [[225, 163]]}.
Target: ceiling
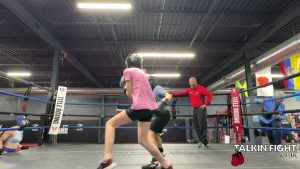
{"points": [[215, 30]]}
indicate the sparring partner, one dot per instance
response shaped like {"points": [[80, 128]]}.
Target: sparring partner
{"points": [[10, 140], [199, 113], [160, 120], [272, 120], [137, 88]]}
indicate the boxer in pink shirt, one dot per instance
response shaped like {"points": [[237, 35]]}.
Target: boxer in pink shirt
{"points": [[136, 86]]}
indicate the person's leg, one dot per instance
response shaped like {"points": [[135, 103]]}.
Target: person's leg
{"points": [[162, 118], [174, 120], [152, 137], [143, 129], [269, 133], [202, 123], [153, 163], [159, 142], [155, 139], [110, 127], [195, 122], [277, 134]]}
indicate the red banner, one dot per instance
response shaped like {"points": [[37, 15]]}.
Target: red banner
{"points": [[236, 111]]}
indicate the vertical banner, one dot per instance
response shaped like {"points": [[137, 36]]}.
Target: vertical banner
{"points": [[263, 77], [295, 68], [289, 67], [58, 110], [236, 111]]}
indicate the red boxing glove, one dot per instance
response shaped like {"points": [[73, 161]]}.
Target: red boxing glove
{"points": [[240, 157], [24, 148], [234, 160]]}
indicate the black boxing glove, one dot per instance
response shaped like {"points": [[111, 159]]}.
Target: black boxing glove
{"points": [[162, 104], [122, 84]]}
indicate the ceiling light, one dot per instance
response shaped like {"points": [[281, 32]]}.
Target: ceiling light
{"points": [[165, 75], [19, 74], [166, 55], [113, 6]]}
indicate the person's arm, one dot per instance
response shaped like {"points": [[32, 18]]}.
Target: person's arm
{"points": [[164, 101], [282, 116], [259, 101], [128, 89], [208, 95], [3, 138], [160, 91], [168, 96], [128, 84], [184, 93]]}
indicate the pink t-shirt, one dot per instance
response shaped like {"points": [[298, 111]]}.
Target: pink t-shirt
{"points": [[142, 97]]}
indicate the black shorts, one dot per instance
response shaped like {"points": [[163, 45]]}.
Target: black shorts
{"points": [[143, 115], [160, 120]]}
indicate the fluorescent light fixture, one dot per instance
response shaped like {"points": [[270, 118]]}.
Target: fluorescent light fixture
{"points": [[275, 53], [19, 74], [112, 6], [277, 75], [218, 83], [165, 75], [166, 55]]}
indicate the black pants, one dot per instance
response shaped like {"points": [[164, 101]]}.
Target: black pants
{"points": [[200, 124], [274, 136]]}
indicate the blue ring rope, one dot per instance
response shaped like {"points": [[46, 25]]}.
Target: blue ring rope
{"points": [[133, 127]]}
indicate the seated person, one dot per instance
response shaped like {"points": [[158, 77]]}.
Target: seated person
{"points": [[287, 135], [10, 140], [272, 120]]}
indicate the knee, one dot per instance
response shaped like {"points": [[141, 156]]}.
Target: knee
{"points": [[110, 123], [143, 141], [151, 134]]}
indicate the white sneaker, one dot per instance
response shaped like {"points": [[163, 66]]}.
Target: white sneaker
{"points": [[163, 132]]}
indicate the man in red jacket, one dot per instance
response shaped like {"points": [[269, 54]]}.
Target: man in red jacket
{"points": [[199, 112]]}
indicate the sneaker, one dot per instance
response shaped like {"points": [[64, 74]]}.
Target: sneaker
{"points": [[163, 132], [152, 165], [109, 164], [201, 145]]}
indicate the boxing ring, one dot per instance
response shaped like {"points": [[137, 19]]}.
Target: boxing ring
{"points": [[133, 156]]}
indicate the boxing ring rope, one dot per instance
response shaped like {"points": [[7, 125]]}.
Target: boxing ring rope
{"points": [[82, 103], [179, 105], [176, 128]]}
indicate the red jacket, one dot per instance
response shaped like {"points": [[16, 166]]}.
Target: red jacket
{"points": [[195, 96]]}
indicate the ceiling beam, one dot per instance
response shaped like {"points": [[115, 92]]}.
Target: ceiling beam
{"points": [[16, 8], [263, 34]]}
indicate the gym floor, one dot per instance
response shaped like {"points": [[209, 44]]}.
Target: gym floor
{"points": [[133, 156]]}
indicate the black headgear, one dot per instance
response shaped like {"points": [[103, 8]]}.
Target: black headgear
{"points": [[152, 82], [134, 61]]}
